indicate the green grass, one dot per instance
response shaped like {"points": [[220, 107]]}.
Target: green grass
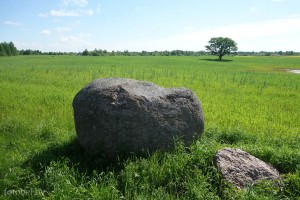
{"points": [[250, 103]]}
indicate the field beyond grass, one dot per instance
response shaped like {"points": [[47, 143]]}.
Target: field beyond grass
{"points": [[251, 103]]}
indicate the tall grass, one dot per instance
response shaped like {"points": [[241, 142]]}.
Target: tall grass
{"points": [[250, 103]]}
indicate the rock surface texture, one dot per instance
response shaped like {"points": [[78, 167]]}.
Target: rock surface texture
{"points": [[241, 168], [118, 115]]}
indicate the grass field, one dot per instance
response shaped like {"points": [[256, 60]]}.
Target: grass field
{"points": [[251, 103]]}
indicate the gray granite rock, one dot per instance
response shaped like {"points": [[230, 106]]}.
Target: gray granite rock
{"points": [[119, 115], [241, 168]]}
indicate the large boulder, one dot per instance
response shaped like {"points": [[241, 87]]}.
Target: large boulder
{"points": [[117, 115], [241, 168]]}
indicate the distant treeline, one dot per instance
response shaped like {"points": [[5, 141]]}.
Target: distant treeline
{"points": [[8, 49], [268, 53], [100, 52]]}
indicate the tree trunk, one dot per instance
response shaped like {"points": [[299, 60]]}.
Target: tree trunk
{"points": [[220, 57]]}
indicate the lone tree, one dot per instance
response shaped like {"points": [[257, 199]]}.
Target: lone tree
{"points": [[221, 46]]}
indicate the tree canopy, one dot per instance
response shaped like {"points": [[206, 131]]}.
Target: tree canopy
{"points": [[8, 49], [221, 46]]}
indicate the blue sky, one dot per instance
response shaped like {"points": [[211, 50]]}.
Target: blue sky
{"points": [[136, 25]]}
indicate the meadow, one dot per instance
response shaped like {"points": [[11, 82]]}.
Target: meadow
{"points": [[251, 103]]}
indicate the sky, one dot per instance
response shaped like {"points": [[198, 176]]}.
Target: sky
{"points": [[137, 25]]}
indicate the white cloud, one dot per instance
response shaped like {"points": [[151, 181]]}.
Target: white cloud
{"points": [[81, 3], [64, 13], [83, 38], [12, 23], [141, 8], [88, 12], [46, 32], [69, 39], [189, 28], [42, 15], [294, 16], [26, 45], [63, 29], [267, 35], [71, 8], [253, 9], [259, 29], [98, 9], [73, 43], [71, 13]]}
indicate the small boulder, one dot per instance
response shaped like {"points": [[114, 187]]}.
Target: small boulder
{"points": [[117, 115], [241, 168]]}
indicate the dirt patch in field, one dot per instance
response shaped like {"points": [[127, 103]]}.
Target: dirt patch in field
{"points": [[296, 71], [279, 70]]}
